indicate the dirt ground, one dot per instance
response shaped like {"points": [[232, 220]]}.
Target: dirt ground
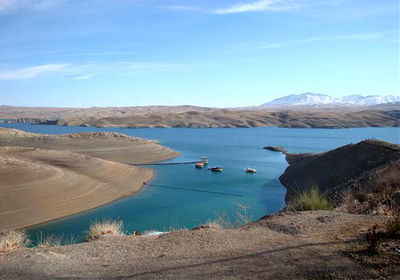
{"points": [[291, 245]]}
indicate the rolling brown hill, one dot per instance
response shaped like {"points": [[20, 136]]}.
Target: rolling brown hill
{"points": [[191, 116], [369, 168]]}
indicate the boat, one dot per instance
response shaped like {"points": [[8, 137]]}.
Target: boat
{"points": [[216, 169], [199, 165], [204, 160], [250, 170]]}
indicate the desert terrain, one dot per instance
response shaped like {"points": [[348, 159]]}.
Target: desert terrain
{"points": [[316, 244], [368, 169], [191, 116], [291, 245], [45, 177]]}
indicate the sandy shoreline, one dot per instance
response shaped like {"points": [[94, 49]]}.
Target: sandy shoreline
{"points": [[39, 185]]}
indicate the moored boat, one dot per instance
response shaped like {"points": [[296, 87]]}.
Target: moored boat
{"points": [[250, 170], [216, 169], [199, 165]]}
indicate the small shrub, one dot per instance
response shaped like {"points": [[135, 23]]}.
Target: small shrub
{"points": [[242, 215], [47, 241], [51, 240], [107, 227], [309, 200], [392, 228], [373, 239], [223, 220], [13, 239], [214, 224], [361, 197]]}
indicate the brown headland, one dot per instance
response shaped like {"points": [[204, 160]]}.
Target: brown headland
{"points": [[45, 177], [364, 176]]}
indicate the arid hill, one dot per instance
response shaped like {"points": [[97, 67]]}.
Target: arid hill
{"points": [[190, 116], [369, 169], [105, 145]]}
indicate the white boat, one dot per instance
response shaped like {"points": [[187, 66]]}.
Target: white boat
{"points": [[216, 169], [250, 170], [199, 165]]}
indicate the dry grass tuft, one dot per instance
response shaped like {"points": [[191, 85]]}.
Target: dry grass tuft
{"points": [[392, 228], [214, 224], [223, 220], [242, 214], [309, 200], [13, 239], [51, 240], [106, 227], [48, 241]]}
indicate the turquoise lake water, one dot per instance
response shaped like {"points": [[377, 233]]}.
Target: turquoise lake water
{"points": [[160, 208]]}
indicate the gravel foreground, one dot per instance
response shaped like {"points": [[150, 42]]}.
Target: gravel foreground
{"points": [[290, 245]]}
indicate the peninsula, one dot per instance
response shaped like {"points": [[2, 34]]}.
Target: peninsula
{"points": [[45, 177]]}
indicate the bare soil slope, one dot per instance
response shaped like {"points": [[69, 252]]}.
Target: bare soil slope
{"points": [[370, 166], [105, 145], [41, 185], [190, 116], [44, 177], [308, 245]]}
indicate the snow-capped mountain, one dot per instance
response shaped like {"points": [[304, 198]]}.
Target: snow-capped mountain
{"points": [[315, 99]]}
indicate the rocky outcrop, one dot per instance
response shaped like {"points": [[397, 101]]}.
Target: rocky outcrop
{"points": [[366, 167]]}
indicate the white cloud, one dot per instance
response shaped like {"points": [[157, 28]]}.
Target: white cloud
{"points": [[358, 37], [30, 72], [261, 5], [9, 6], [86, 77], [181, 8], [86, 71]]}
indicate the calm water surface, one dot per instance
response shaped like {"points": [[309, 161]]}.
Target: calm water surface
{"points": [[160, 208]]}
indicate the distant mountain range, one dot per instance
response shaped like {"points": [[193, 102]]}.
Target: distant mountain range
{"points": [[316, 99]]}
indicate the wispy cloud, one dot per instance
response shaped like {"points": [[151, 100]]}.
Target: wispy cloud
{"points": [[181, 8], [261, 5], [86, 77], [30, 72], [87, 71], [9, 6], [359, 37]]}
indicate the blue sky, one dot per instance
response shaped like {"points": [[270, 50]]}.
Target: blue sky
{"points": [[200, 52]]}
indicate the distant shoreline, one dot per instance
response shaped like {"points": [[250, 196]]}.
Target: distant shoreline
{"points": [[203, 117], [35, 122]]}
